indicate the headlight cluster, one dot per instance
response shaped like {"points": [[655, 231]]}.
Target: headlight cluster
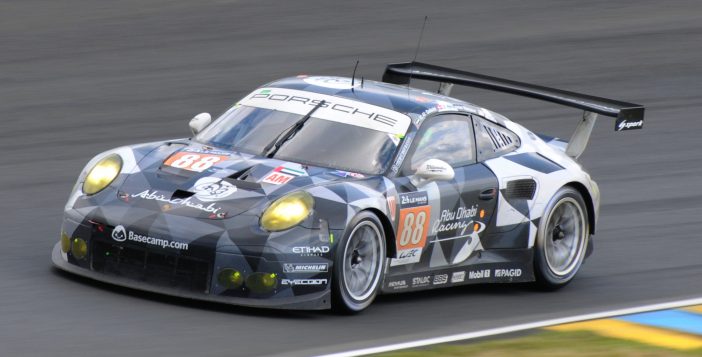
{"points": [[287, 212], [102, 174]]}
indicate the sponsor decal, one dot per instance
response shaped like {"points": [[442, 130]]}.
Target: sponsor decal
{"points": [[508, 273], [277, 178], [331, 82], [283, 174], [421, 281], [212, 189], [333, 108], [623, 124], [193, 162], [458, 277], [440, 279], [186, 202], [310, 251], [120, 234], [345, 174], [392, 206], [296, 282], [398, 284], [305, 267], [412, 227], [452, 220], [207, 150], [479, 274], [403, 152]]}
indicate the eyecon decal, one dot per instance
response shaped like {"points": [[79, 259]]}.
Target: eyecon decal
{"points": [[334, 108]]}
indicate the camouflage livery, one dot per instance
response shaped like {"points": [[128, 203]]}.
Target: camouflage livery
{"points": [[172, 230]]}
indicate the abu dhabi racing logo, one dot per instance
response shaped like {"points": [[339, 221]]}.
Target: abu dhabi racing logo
{"points": [[119, 234]]}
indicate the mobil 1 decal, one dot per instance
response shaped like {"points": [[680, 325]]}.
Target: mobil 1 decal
{"points": [[412, 227]]}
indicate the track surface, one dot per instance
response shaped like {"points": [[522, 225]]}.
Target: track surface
{"points": [[79, 77]]}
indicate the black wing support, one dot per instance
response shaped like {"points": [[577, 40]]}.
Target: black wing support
{"points": [[628, 115]]}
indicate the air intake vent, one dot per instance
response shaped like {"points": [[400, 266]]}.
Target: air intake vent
{"points": [[499, 140], [521, 189]]}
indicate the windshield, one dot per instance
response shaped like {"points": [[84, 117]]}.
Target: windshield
{"points": [[320, 142]]}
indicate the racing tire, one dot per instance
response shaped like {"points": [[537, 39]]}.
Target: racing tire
{"points": [[359, 265], [562, 239]]}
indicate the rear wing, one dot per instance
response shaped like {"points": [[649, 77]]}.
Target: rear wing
{"points": [[628, 115]]}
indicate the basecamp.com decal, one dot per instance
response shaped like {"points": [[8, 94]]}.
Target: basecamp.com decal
{"points": [[413, 225]]}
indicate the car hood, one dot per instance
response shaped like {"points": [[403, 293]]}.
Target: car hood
{"points": [[190, 179]]}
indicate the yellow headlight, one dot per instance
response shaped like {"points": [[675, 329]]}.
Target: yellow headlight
{"points": [[102, 174], [287, 212]]}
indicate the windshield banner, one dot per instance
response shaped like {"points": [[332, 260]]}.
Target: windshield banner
{"points": [[336, 109]]}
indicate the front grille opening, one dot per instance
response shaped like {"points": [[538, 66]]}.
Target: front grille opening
{"points": [[167, 270]]}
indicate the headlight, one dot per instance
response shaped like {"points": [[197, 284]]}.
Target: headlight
{"points": [[287, 212], [102, 174]]}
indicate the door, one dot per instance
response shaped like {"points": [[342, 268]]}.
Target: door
{"points": [[440, 223]]}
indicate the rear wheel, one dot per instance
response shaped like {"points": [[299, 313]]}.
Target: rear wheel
{"points": [[561, 240], [359, 264]]}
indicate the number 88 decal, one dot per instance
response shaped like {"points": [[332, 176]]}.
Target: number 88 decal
{"points": [[193, 162], [414, 223]]}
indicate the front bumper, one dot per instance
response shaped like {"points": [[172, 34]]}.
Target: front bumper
{"points": [[194, 273], [316, 301]]}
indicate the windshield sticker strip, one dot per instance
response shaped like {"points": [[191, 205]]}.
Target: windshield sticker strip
{"points": [[335, 109]]}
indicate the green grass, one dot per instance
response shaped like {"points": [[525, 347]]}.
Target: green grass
{"points": [[547, 343]]}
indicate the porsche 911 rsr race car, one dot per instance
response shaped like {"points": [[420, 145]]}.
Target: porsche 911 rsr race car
{"points": [[315, 192]]}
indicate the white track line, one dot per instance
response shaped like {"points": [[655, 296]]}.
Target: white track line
{"points": [[516, 328]]}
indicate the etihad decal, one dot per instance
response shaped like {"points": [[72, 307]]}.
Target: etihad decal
{"points": [[121, 234], [311, 251], [186, 202], [412, 227], [209, 189], [305, 267], [332, 108]]}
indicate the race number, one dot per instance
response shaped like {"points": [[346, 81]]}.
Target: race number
{"points": [[197, 162], [414, 223]]}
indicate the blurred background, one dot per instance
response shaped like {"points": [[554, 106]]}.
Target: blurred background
{"points": [[78, 77]]}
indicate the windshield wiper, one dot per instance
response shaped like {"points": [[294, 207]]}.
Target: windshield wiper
{"points": [[272, 147]]}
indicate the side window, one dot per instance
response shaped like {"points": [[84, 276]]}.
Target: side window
{"points": [[493, 140], [447, 137]]}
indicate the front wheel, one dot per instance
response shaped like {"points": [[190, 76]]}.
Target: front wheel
{"points": [[359, 264], [561, 240]]}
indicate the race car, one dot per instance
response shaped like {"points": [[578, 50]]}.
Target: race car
{"points": [[317, 192]]}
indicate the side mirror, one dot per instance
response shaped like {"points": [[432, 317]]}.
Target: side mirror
{"points": [[199, 122], [432, 170]]}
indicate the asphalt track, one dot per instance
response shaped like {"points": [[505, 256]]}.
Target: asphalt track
{"points": [[79, 77]]}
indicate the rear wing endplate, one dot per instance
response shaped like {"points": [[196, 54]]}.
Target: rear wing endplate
{"points": [[628, 116]]}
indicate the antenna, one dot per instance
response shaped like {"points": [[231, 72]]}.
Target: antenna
{"points": [[353, 76], [416, 51]]}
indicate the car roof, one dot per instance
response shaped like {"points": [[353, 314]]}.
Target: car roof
{"points": [[411, 101]]}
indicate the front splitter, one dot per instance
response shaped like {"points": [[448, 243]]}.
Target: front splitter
{"points": [[315, 301]]}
